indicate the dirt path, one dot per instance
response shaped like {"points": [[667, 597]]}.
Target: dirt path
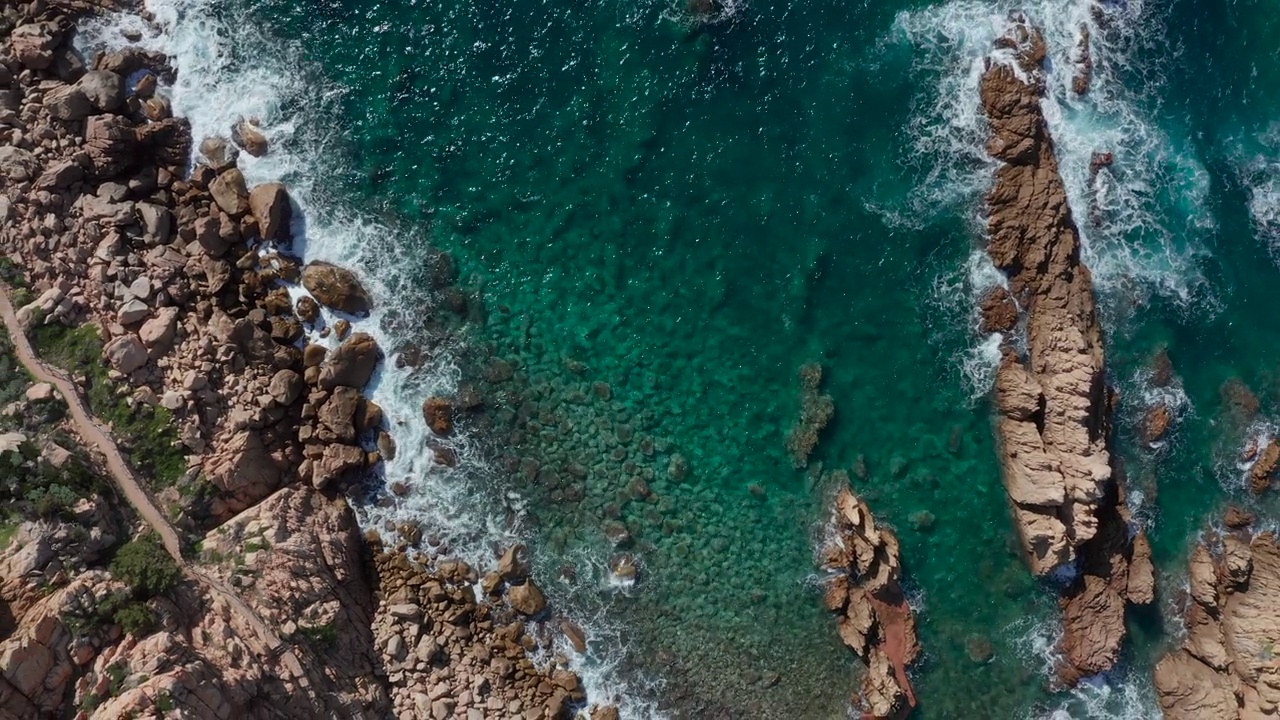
{"points": [[94, 432], [90, 429]]}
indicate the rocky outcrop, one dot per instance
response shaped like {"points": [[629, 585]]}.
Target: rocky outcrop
{"points": [[1053, 405], [336, 288], [448, 655], [1226, 668], [872, 615]]}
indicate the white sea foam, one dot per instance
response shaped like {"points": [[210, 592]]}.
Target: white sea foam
{"points": [[1141, 220], [1259, 172], [228, 71]]}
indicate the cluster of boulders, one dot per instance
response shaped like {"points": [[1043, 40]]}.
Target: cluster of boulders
{"points": [[1054, 408], [1227, 667], [183, 273], [873, 618], [816, 410], [448, 654]]}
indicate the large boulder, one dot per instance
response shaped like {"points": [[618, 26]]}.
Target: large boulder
{"points": [[247, 135], [158, 332], [230, 193], [438, 412], [338, 414], [103, 89], [352, 364], [126, 353], [112, 144], [16, 164], [527, 599], [336, 288], [33, 45], [220, 154], [286, 385], [68, 102], [269, 204], [243, 468], [338, 462]]}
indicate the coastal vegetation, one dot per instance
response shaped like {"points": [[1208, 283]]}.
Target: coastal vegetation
{"points": [[148, 432]]}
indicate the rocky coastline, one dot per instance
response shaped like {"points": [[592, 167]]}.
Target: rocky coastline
{"points": [[1226, 667], [166, 289], [1053, 404]]}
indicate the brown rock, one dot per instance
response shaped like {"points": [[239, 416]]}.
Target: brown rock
{"points": [[1264, 467], [338, 413], [438, 413], [1236, 518], [1093, 628], [243, 468], [514, 563], [286, 386], [229, 192], [527, 599], [126, 353], [220, 154], [1190, 690], [574, 635], [1155, 424], [247, 135], [103, 88], [336, 288], [1226, 667], [33, 44], [269, 204], [997, 311], [308, 310], [873, 617], [352, 364], [336, 464]]}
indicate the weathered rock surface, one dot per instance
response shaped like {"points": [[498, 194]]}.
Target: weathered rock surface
{"points": [[336, 288], [873, 617], [1053, 405], [352, 364], [1226, 668]]}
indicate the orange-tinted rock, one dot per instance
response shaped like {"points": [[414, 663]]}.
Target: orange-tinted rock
{"points": [[1155, 424], [1264, 467], [873, 618], [997, 311], [438, 412]]}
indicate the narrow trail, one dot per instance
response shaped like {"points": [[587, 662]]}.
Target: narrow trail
{"points": [[89, 428]]}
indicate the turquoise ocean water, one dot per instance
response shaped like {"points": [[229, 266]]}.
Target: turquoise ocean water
{"points": [[655, 223]]}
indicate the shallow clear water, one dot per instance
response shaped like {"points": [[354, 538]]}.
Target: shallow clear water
{"points": [[657, 225]]}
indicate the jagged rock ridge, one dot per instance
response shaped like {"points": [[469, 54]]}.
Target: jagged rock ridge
{"points": [[1053, 405]]}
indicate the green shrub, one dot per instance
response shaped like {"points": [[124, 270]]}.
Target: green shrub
{"points": [[149, 433], [135, 618], [145, 566], [322, 636]]}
